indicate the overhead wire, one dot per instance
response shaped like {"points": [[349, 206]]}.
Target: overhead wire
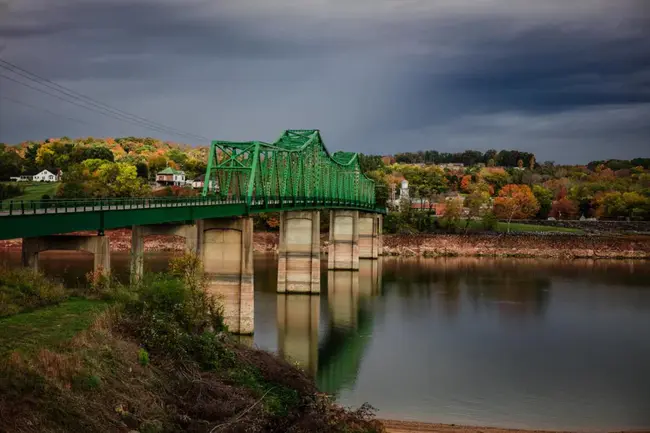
{"points": [[81, 100]]}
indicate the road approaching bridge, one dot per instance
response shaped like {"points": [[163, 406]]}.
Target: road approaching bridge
{"points": [[296, 176]]}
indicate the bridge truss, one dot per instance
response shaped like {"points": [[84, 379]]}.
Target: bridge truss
{"points": [[296, 169]]}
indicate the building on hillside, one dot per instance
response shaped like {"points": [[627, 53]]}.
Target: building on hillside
{"points": [[452, 165], [41, 176], [170, 176], [199, 182]]}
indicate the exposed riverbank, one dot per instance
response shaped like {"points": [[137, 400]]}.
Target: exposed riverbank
{"points": [[394, 426], [550, 245]]}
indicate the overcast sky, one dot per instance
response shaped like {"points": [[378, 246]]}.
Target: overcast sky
{"points": [[566, 79]]}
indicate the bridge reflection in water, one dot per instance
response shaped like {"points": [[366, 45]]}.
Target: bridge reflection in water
{"points": [[341, 317]]}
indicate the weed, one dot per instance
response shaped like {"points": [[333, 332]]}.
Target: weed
{"points": [[143, 357], [23, 290]]}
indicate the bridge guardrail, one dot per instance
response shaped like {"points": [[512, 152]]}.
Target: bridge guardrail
{"points": [[53, 206]]}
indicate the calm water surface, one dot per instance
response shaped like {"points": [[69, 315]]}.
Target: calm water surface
{"points": [[505, 342]]}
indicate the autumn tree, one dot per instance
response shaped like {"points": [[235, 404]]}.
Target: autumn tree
{"points": [[476, 202], [515, 202], [450, 220], [564, 208], [465, 183]]}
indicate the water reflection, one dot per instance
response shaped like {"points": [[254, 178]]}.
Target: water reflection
{"points": [[522, 343], [349, 296], [297, 324]]}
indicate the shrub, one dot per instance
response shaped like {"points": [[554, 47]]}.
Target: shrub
{"points": [[174, 314], [143, 357], [489, 221], [23, 289]]}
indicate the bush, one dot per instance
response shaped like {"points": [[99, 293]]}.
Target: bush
{"points": [[23, 289], [489, 221], [10, 191], [172, 313]]}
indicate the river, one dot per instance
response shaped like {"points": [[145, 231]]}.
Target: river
{"points": [[516, 343]]}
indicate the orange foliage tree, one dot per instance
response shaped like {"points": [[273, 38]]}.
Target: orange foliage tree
{"points": [[564, 208], [515, 202], [465, 183]]}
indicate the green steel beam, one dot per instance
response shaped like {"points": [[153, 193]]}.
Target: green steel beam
{"points": [[293, 166]]}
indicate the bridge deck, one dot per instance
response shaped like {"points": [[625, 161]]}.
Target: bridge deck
{"points": [[46, 217]]}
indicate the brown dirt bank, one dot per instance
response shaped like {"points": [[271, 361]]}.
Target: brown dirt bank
{"points": [[439, 245], [393, 426]]}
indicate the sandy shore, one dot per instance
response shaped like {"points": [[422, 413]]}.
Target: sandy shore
{"points": [[393, 426]]}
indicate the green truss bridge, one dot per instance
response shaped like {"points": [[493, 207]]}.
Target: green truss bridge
{"points": [[295, 176], [296, 172]]}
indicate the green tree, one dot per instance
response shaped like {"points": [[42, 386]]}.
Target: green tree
{"points": [[477, 202], [544, 197], [11, 164]]}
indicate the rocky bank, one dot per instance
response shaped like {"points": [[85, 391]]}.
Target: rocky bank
{"points": [[606, 246]]}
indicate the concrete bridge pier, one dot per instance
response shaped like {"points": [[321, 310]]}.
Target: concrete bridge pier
{"points": [[99, 246], [227, 255], [343, 251], [370, 235], [299, 252], [297, 321], [191, 232]]}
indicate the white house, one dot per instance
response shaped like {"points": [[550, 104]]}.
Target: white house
{"points": [[47, 176], [43, 176], [170, 176]]}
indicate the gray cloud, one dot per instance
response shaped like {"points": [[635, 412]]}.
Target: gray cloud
{"points": [[568, 80]]}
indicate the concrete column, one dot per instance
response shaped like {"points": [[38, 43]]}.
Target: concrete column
{"points": [[297, 321], [299, 252], [344, 240], [99, 246], [191, 233], [369, 235], [227, 252], [137, 252]]}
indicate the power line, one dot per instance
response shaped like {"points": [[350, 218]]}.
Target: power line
{"points": [[74, 102], [90, 103], [98, 104], [35, 107]]}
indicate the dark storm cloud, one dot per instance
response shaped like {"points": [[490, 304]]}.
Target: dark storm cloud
{"points": [[378, 76]]}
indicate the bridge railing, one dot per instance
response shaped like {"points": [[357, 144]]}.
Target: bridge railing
{"points": [[54, 206]]}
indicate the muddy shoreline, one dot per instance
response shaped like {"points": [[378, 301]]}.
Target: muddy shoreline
{"points": [[558, 246], [395, 426]]}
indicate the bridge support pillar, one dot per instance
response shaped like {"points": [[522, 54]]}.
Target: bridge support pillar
{"points": [[297, 321], [227, 252], [299, 252], [191, 233], [343, 250], [370, 242], [99, 246]]}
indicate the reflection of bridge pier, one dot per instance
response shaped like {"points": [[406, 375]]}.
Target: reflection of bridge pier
{"points": [[350, 320], [297, 320], [369, 277], [343, 298]]}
